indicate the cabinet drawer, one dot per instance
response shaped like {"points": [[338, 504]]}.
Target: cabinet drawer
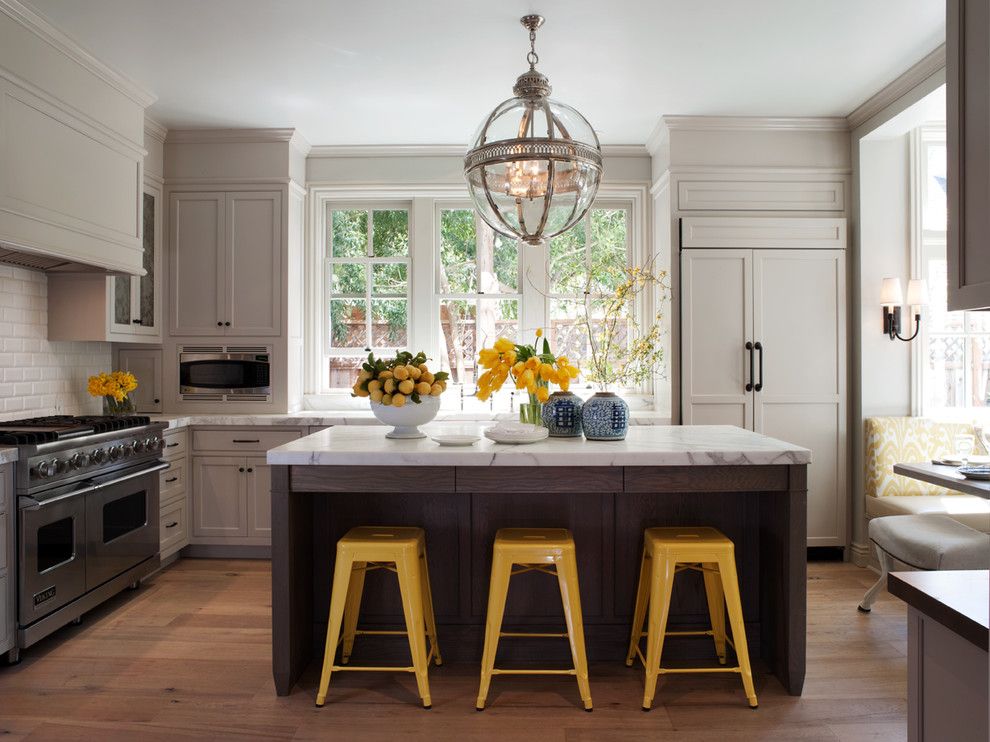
{"points": [[174, 526], [173, 481], [4, 524], [252, 439], [176, 444]]}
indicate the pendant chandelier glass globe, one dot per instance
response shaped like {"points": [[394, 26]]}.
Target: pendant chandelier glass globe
{"points": [[535, 163]]}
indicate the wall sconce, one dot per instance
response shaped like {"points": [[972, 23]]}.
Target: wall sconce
{"points": [[891, 298]]}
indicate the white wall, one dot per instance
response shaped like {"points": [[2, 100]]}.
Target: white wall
{"points": [[38, 377]]}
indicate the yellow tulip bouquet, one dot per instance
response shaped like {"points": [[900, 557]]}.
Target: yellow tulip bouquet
{"points": [[114, 388], [394, 381], [529, 369]]}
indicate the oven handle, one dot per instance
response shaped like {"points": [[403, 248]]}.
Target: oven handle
{"points": [[29, 503]]}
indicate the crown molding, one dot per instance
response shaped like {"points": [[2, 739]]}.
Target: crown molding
{"points": [[302, 144], [929, 65], [45, 31], [223, 136], [336, 151], [154, 129], [754, 123]]}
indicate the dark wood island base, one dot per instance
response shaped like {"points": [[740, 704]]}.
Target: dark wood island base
{"points": [[762, 508]]}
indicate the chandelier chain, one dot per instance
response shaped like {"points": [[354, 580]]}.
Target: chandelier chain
{"points": [[532, 57]]}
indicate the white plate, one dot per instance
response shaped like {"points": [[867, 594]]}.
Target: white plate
{"points": [[455, 440], [517, 433], [956, 461]]}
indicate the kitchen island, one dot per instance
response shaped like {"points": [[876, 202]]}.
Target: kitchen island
{"points": [[752, 488]]}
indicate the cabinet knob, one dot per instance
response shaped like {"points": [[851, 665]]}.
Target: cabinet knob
{"points": [[227, 324], [157, 401], [219, 324], [241, 469], [250, 470]]}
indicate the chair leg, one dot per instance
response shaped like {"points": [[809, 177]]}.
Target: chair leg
{"points": [[431, 621], [411, 588], [352, 608], [661, 586], [497, 591], [730, 586], [567, 578], [886, 565], [338, 598], [716, 606], [639, 612]]}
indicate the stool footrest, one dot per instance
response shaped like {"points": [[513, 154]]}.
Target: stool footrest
{"points": [[498, 671], [369, 632], [356, 668], [691, 670], [530, 634]]}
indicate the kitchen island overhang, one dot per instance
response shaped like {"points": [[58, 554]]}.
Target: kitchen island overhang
{"points": [[751, 487]]}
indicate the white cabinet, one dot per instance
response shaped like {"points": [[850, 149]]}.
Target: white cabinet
{"points": [[232, 500], [120, 309], [174, 495], [146, 365], [967, 38], [763, 347], [225, 259]]}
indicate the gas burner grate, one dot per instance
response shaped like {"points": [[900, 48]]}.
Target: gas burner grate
{"points": [[27, 438], [37, 430]]}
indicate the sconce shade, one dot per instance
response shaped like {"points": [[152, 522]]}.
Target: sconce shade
{"points": [[891, 294], [917, 293]]}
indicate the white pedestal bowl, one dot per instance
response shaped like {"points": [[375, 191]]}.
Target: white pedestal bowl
{"points": [[407, 419]]}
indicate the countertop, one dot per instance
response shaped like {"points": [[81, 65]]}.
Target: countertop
{"points": [[957, 599], [688, 445], [8, 455], [944, 476]]}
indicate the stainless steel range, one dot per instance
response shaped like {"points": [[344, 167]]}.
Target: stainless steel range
{"points": [[87, 514]]}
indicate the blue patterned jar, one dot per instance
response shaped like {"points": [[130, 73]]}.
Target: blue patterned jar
{"points": [[605, 417], [562, 415]]}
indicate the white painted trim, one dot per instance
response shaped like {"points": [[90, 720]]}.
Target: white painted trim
{"points": [[929, 65], [211, 183], [742, 173], [154, 129], [339, 151], [755, 123], [242, 136]]}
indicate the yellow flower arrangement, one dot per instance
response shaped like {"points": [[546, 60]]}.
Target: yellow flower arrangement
{"points": [[532, 371], [114, 388]]}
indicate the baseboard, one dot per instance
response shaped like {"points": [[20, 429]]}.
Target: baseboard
{"points": [[862, 555], [226, 551]]}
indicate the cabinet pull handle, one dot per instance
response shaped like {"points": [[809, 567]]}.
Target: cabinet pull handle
{"points": [[246, 440], [759, 384], [137, 322], [171, 445], [172, 479], [173, 524], [241, 469], [752, 367]]}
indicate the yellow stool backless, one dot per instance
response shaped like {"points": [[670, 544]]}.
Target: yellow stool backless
{"points": [[400, 550], [549, 550], [667, 551]]}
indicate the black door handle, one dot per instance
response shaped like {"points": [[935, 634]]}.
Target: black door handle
{"points": [[759, 384], [752, 365]]}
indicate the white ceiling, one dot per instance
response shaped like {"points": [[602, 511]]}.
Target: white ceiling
{"points": [[427, 72]]}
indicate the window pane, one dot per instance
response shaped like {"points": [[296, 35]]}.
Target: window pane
{"points": [[388, 323], [391, 233], [344, 371], [568, 333], [458, 251], [497, 318], [347, 278], [946, 372], [978, 321], [568, 269], [609, 255], [347, 326], [498, 261], [388, 278], [457, 343], [979, 365], [349, 234], [933, 195]]}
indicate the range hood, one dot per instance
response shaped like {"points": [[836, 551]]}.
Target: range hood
{"points": [[37, 261]]}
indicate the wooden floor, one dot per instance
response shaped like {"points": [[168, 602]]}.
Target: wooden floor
{"points": [[188, 656]]}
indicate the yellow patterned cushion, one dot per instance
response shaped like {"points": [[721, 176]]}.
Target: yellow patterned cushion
{"points": [[905, 440]]}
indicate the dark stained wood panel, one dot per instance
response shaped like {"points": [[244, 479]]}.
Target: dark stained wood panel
{"points": [[705, 478], [372, 479], [547, 478]]}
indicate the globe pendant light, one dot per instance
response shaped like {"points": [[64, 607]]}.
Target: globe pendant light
{"points": [[535, 164]]}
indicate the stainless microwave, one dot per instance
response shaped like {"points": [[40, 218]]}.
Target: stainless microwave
{"points": [[225, 374]]}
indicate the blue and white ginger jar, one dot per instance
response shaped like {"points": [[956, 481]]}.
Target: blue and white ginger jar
{"points": [[605, 417], [562, 415]]}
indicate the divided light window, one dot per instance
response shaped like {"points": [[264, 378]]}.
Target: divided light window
{"points": [[367, 275]]}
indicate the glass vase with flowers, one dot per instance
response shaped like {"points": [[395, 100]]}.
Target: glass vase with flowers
{"points": [[113, 388]]}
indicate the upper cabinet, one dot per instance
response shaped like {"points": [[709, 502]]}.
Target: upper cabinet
{"points": [[225, 263], [968, 139]]}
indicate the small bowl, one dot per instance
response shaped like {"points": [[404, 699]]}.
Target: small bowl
{"points": [[407, 419]]}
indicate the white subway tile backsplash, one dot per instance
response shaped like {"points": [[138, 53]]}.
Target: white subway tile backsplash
{"points": [[38, 376]]}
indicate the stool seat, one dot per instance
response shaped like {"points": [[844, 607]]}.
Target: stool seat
{"points": [[375, 536], [931, 542], [685, 539]]}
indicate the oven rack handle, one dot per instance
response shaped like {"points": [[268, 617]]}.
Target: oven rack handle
{"points": [[29, 503]]}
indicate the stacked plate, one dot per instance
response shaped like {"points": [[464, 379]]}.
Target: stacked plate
{"points": [[517, 433]]}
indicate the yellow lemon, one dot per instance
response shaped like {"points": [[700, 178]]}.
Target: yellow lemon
{"points": [[414, 372], [398, 400], [385, 375], [423, 387], [424, 368], [386, 399], [364, 375], [400, 373], [359, 391], [389, 386], [376, 396], [374, 385], [406, 386], [437, 389], [427, 377]]}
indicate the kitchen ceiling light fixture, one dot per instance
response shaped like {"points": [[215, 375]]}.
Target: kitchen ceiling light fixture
{"points": [[535, 163]]}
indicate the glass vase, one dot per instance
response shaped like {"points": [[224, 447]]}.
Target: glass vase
{"points": [[115, 408], [531, 412]]}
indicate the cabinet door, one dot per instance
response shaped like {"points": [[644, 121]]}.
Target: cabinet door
{"points": [[135, 301], [967, 38], [254, 263], [219, 498], [259, 498], [197, 262], [799, 320], [716, 323], [146, 365]]}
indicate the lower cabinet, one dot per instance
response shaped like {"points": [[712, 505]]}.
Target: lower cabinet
{"points": [[174, 495], [231, 500], [8, 579]]}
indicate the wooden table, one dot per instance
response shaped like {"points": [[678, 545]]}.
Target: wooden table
{"points": [[944, 476], [751, 487]]}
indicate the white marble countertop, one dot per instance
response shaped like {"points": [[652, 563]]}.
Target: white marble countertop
{"points": [[689, 445], [8, 455]]}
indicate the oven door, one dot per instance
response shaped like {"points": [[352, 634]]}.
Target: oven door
{"points": [[51, 568], [122, 523]]}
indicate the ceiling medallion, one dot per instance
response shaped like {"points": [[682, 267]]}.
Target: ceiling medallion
{"points": [[535, 164]]}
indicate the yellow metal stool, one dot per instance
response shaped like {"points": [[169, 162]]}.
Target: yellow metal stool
{"points": [[549, 550], [399, 550], [667, 551]]}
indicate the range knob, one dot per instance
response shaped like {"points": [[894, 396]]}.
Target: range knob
{"points": [[139, 446], [158, 444], [46, 469], [79, 460], [115, 452], [99, 456]]}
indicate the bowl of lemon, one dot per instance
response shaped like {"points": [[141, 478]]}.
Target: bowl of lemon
{"points": [[403, 392]]}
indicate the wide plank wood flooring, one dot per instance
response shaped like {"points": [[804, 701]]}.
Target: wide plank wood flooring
{"points": [[188, 657]]}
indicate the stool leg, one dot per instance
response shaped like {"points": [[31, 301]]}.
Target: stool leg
{"points": [[567, 578], [716, 606], [411, 588], [661, 586], [730, 585], [497, 591], [431, 621], [338, 598], [639, 612], [352, 608]]}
